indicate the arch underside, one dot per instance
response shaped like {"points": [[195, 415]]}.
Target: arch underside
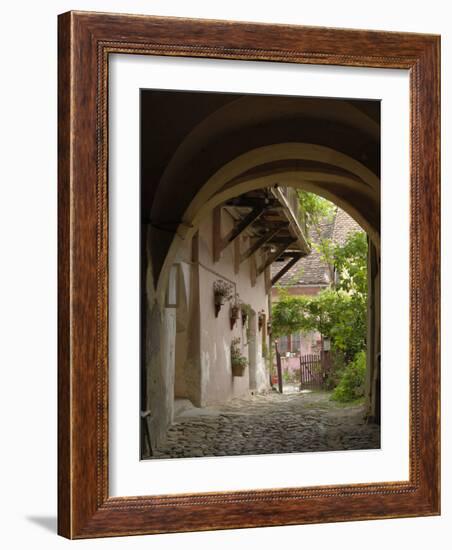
{"points": [[327, 146], [324, 171]]}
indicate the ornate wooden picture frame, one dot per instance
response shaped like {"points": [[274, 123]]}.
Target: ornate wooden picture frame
{"points": [[86, 40]]}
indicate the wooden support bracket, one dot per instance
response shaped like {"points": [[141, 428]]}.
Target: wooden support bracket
{"points": [[261, 241], [295, 257], [219, 242], [274, 256]]}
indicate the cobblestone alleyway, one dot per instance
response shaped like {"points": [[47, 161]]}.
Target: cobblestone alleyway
{"points": [[269, 423]]}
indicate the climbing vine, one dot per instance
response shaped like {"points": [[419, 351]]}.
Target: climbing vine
{"points": [[339, 312]]}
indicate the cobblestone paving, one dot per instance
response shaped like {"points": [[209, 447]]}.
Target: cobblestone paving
{"points": [[269, 423]]}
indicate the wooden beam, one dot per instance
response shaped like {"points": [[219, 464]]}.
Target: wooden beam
{"points": [[243, 224], [219, 242], [285, 269], [282, 239], [295, 226], [252, 202], [261, 241], [274, 255]]}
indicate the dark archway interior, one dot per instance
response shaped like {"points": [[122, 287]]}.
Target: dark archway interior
{"points": [[196, 133]]}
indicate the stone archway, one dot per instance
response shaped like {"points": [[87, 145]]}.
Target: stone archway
{"points": [[227, 155], [331, 174]]}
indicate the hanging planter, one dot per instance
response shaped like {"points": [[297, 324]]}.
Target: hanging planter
{"points": [[222, 292], [261, 319], [238, 369], [246, 311], [235, 312], [238, 361]]}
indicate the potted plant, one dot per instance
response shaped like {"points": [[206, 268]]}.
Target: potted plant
{"points": [[222, 291], [235, 312], [238, 361], [246, 310]]}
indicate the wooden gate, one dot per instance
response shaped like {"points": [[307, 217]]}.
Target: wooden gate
{"points": [[312, 373]]}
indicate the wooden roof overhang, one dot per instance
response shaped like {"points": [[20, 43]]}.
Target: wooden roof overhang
{"points": [[272, 219]]}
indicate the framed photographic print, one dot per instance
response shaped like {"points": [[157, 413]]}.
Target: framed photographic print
{"points": [[248, 275]]}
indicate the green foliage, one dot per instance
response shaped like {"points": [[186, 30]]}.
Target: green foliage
{"points": [[326, 248], [351, 384], [237, 359], [316, 209], [289, 314], [334, 373], [350, 261], [335, 314], [291, 377], [338, 313]]}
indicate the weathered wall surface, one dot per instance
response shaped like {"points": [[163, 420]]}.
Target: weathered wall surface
{"points": [[188, 347], [184, 293], [161, 332], [218, 384]]}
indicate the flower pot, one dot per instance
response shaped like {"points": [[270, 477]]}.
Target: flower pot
{"points": [[219, 300], [238, 370], [234, 316]]}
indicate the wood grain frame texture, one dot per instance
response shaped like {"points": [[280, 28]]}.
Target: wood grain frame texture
{"points": [[84, 44]]}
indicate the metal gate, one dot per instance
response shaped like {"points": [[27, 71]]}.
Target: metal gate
{"points": [[312, 372]]}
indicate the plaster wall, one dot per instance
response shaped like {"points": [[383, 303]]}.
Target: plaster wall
{"points": [[216, 335], [160, 372], [189, 348]]}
